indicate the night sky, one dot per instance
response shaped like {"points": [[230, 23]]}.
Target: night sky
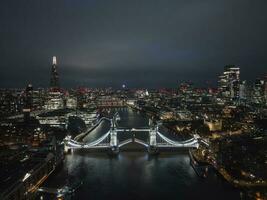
{"points": [[140, 43]]}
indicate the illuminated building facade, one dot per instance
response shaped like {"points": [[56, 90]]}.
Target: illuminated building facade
{"points": [[54, 81], [229, 82], [55, 101], [258, 91], [28, 102], [71, 102]]}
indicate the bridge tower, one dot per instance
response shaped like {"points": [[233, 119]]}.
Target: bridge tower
{"points": [[152, 137], [113, 138], [113, 135]]}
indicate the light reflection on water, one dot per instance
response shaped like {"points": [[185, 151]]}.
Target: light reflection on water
{"points": [[137, 175]]}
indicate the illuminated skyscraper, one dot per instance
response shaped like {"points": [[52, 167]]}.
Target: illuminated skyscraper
{"points": [[258, 91], [27, 102], [229, 82], [54, 81], [243, 90]]}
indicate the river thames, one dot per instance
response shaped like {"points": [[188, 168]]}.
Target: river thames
{"points": [[135, 174]]}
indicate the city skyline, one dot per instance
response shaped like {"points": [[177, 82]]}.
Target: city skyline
{"points": [[129, 99], [101, 44], [54, 81], [169, 140]]}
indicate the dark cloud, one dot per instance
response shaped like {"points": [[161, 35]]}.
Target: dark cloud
{"points": [[147, 43]]}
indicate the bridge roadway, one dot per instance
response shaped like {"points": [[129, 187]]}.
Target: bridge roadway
{"points": [[90, 130], [100, 129]]}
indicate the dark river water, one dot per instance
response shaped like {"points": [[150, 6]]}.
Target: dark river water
{"points": [[135, 174]]}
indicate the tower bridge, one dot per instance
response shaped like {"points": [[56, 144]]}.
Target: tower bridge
{"points": [[109, 140]]}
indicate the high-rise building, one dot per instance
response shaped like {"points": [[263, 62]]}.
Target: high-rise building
{"points": [[243, 90], [54, 81], [258, 91], [27, 102], [229, 82]]}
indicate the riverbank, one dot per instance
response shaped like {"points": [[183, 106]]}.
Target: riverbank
{"points": [[225, 174], [136, 174]]}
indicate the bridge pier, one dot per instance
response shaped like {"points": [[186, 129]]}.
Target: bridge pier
{"points": [[153, 150]]}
